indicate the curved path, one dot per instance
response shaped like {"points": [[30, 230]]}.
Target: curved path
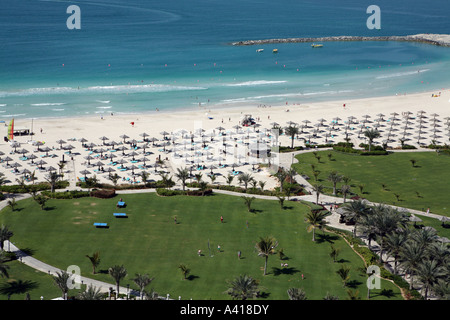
{"points": [[286, 161]]}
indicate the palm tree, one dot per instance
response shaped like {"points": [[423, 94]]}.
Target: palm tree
{"points": [[344, 273], [354, 211], [91, 182], [315, 219], [386, 220], [281, 176], [142, 280], [182, 175], [318, 188], [371, 135], [117, 273], [229, 179], [41, 200], [91, 293], [296, 294], [95, 260], [61, 280], [262, 184], [184, 270], [61, 166], [411, 255], [166, 180], [114, 178], [334, 253], [428, 273], [52, 178], [5, 234], [243, 287], [394, 243], [144, 176], [248, 202], [203, 186], [329, 296], [3, 179], [424, 237], [345, 188], [334, 177], [198, 177], [442, 289], [265, 247], [281, 201], [245, 178], [292, 131], [152, 295], [213, 178]]}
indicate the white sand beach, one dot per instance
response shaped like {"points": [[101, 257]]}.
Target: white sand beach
{"points": [[211, 148]]}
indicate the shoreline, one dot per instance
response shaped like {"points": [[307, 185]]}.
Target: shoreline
{"points": [[92, 128], [434, 39], [218, 107]]}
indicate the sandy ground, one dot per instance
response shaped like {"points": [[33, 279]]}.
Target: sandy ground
{"points": [[187, 147]]}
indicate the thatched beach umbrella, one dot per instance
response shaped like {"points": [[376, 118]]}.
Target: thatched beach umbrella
{"points": [[124, 137], [414, 219], [60, 142], [103, 138], [85, 173]]}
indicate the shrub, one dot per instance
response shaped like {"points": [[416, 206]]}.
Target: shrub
{"points": [[66, 195], [103, 193], [169, 192]]}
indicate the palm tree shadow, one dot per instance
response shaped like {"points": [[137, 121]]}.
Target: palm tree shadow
{"points": [[26, 252], [285, 270], [18, 287], [388, 293], [353, 284], [326, 238]]}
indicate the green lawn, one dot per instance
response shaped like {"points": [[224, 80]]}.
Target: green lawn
{"points": [[149, 241], [426, 185]]}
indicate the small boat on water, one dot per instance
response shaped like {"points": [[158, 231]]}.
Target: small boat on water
{"points": [[275, 50], [314, 45], [259, 50]]}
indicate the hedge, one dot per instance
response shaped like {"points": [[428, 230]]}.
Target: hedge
{"points": [[103, 193], [16, 188], [73, 194], [170, 192]]}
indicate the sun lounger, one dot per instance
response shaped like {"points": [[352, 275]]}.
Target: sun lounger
{"points": [[120, 215], [100, 224], [121, 204]]}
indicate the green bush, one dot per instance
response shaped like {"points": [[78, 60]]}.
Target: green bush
{"points": [[103, 193], [66, 195], [168, 192]]}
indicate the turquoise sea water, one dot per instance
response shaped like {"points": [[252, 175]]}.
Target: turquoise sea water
{"points": [[135, 56]]}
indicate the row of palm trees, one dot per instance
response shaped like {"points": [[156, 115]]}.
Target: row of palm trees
{"points": [[417, 252], [117, 272]]}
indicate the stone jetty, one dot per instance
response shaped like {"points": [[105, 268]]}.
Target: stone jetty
{"points": [[435, 39]]}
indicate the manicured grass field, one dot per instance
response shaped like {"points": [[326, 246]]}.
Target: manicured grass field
{"points": [[425, 185], [149, 241]]}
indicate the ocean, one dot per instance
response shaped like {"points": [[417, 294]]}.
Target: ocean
{"points": [[137, 56]]}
